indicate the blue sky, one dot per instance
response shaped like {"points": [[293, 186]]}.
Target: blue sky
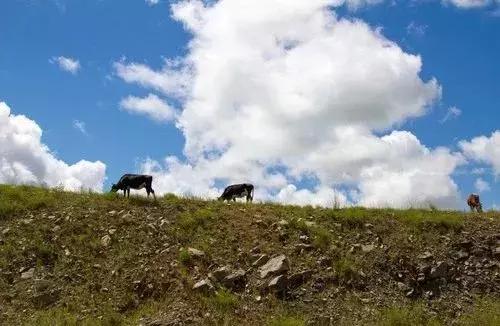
{"points": [[82, 116]]}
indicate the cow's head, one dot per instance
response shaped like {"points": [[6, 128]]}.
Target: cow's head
{"points": [[114, 188]]}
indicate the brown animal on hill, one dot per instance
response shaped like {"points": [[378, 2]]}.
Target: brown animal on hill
{"points": [[474, 203]]}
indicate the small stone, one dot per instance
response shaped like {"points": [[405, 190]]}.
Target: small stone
{"points": [[283, 223], [461, 255], [67, 252], [367, 248], [426, 255], [304, 238], [112, 231], [56, 228], [403, 287], [196, 253], [258, 298], [106, 240], [276, 265], [5, 231], [204, 286], [112, 213], [28, 274]]}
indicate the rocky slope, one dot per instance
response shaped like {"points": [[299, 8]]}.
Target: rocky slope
{"points": [[84, 259]]}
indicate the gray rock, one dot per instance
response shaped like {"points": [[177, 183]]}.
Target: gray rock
{"points": [[275, 266], [220, 273], [278, 284], [204, 286], [236, 280], [28, 274]]}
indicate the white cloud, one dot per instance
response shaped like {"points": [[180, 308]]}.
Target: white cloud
{"points": [[414, 28], [151, 106], [24, 159], [152, 2], [67, 64], [276, 91], [452, 113], [484, 149], [80, 126], [481, 185], [467, 4], [172, 79]]}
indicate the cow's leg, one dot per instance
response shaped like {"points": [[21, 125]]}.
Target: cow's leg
{"points": [[128, 192], [124, 192]]}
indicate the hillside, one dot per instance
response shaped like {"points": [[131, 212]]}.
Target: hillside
{"points": [[87, 259]]}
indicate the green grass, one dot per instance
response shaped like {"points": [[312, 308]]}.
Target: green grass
{"points": [[223, 301], [484, 313], [59, 234], [24, 198], [404, 316], [345, 269], [286, 321]]}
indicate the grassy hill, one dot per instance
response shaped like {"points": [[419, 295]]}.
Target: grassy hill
{"points": [[87, 259]]}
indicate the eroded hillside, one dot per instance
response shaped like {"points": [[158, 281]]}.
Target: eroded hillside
{"points": [[85, 259]]}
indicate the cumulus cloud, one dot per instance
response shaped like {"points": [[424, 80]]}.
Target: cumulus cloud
{"points": [[481, 185], [151, 106], [276, 92], [484, 149], [152, 2], [24, 159], [67, 64]]}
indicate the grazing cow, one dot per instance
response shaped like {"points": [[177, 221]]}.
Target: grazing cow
{"points": [[474, 202], [238, 191], [134, 181]]}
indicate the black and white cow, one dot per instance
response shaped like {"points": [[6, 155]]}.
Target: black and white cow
{"points": [[238, 191], [134, 181]]}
